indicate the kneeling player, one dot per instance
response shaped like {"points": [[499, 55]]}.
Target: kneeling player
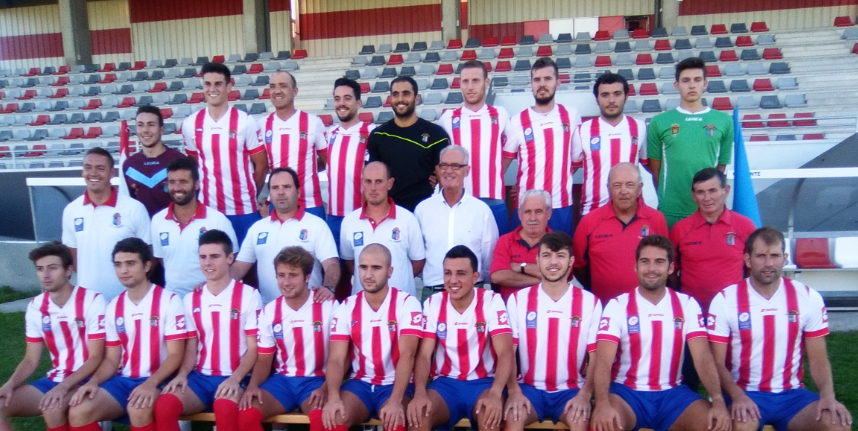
{"points": [[145, 330], [221, 348], [297, 329], [466, 329], [70, 321]]}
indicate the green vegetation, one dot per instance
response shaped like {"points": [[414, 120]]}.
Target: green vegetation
{"points": [[7, 294]]}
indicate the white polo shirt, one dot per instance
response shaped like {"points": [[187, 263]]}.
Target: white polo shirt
{"points": [[399, 231], [94, 230], [179, 245], [468, 222], [270, 235]]}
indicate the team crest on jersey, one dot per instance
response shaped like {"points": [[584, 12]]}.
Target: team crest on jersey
{"points": [[363, 139], [302, 136], [565, 127], [153, 321], [357, 239], [394, 235], [494, 120], [481, 327], [503, 319], [262, 238], [604, 324], [269, 136], [595, 143], [317, 326], [710, 129], [332, 139], [233, 314], [303, 235], [78, 321], [731, 238], [120, 324], [634, 141], [528, 134], [674, 129], [645, 230], [391, 326], [424, 137], [117, 219], [530, 320], [78, 224], [278, 331], [576, 321], [165, 238], [634, 325], [441, 331], [710, 322], [677, 323], [203, 230], [232, 134], [744, 320], [793, 316], [46, 323], [180, 322]]}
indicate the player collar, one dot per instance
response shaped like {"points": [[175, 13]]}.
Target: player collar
{"points": [[391, 214], [687, 112], [111, 201], [725, 217], [199, 214], [516, 235], [298, 215]]}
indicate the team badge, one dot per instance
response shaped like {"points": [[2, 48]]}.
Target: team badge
{"points": [[317, 326], [824, 315], [363, 140], [46, 323], [233, 314], [710, 322], [503, 319], [424, 137], [793, 316], [674, 129], [528, 134], [165, 238], [481, 327], [203, 230], [494, 120], [634, 325], [278, 331], [117, 219], [391, 326], [333, 139], [302, 136], [394, 235], [357, 239], [530, 320], [565, 127], [232, 134], [677, 323], [596, 143], [441, 332], [303, 235], [269, 136], [710, 129], [645, 230], [604, 324], [78, 224], [744, 320], [634, 141], [120, 324], [153, 321], [79, 322], [261, 238], [180, 322], [731, 238], [576, 321]]}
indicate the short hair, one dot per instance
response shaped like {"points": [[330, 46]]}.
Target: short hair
{"points": [[53, 248], [216, 68], [384, 165], [133, 245], [622, 165], [376, 247], [291, 76], [351, 83], [215, 236], [544, 62], [769, 236], [407, 79], [707, 174], [463, 252], [690, 63], [458, 148], [149, 109], [658, 241], [184, 164], [610, 78], [295, 256], [545, 196], [474, 64], [289, 171], [101, 152], [556, 241]]}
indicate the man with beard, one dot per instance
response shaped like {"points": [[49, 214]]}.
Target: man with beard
{"points": [[408, 145], [176, 230], [295, 139], [600, 143], [541, 138], [146, 170]]}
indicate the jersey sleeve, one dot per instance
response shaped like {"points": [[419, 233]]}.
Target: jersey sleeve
{"points": [[695, 321], [157, 248], [817, 321], [69, 237], [253, 137], [347, 251], [642, 146], [512, 313], [265, 335], [514, 139], [94, 317], [717, 323], [595, 321], [498, 318], [142, 223], [372, 147], [410, 317], [500, 257], [612, 323], [342, 320], [320, 142], [111, 337], [33, 323], [226, 227], [653, 142], [247, 251], [446, 121], [177, 321], [430, 318], [659, 223], [580, 243], [188, 308], [577, 149], [726, 153], [325, 248], [254, 306], [189, 135], [416, 247]]}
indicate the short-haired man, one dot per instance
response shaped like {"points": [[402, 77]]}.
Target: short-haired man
{"points": [[288, 225], [70, 321], [541, 138], [514, 260], [226, 144], [606, 238], [640, 350], [480, 128], [380, 220], [408, 145], [554, 325], [765, 323], [94, 222], [685, 140], [379, 328], [176, 230], [294, 332], [295, 139], [146, 170], [466, 338], [146, 331], [600, 143], [454, 217]]}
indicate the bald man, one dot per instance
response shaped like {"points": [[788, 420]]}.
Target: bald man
{"points": [[606, 238]]}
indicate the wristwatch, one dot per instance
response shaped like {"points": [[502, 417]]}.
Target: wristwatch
{"points": [[523, 265], [331, 288]]}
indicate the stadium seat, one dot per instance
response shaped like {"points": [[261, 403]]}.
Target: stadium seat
{"points": [[622, 47], [564, 38], [38, 135], [402, 47], [721, 42], [563, 50], [38, 149], [743, 41], [658, 32], [648, 89], [728, 55], [621, 34], [92, 104], [456, 84], [58, 119], [747, 102], [471, 43], [623, 60], [601, 35], [583, 61], [759, 27], [59, 105], [766, 39], [524, 80], [699, 30], [407, 71], [739, 86], [527, 39], [682, 44], [544, 51], [665, 58], [178, 98], [93, 117], [255, 68], [779, 68], [108, 78], [626, 73], [772, 54], [704, 43], [250, 94], [733, 70], [750, 55], [158, 87], [646, 73], [360, 61], [454, 98], [364, 87], [454, 44], [716, 86], [763, 84], [770, 102], [795, 101], [718, 29], [440, 84], [642, 46], [787, 137], [503, 66], [432, 57], [850, 34], [739, 27], [445, 69], [813, 137], [299, 54], [747, 124], [147, 100], [602, 48], [508, 41], [640, 33], [449, 56], [524, 51], [423, 70], [367, 50], [813, 253], [500, 81], [75, 133], [384, 117], [61, 81], [28, 94], [327, 119], [646, 59], [722, 104], [92, 133], [388, 72], [522, 65], [662, 45], [603, 61], [61, 92], [372, 102], [41, 120], [413, 58], [651, 106], [468, 54], [843, 21], [381, 87], [805, 121], [582, 49]]}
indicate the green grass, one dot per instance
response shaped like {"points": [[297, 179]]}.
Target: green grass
{"points": [[7, 294]]}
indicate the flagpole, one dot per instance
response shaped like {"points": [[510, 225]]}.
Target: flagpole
{"points": [[744, 199]]}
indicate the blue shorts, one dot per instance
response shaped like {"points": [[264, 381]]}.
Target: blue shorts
{"points": [[334, 224], [241, 224], [548, 404], [318, 211], [561, 220], [44, 384], [204, 387], [656, 409], [372, 396], [120, 388], [291, 392], [777, 409], [460, 397], [501, 214]]}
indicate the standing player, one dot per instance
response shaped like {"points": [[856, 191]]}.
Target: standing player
{"points": [[480, 128], [554, 325], [295, 139], [146, 331], [221, 346], [70, 321], [641, 345], [96, 221], [541, 138], [599, 144], [379, 328], [467, 334], [226, 144], [683, 141], [765, 322]]}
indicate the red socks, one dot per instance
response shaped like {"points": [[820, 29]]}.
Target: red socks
{"points": [[251, 420], [63, 427], [399, 428], [149, 427], [316, 420], [226, 414], [94, 426], [339, 428], [167, 410]]}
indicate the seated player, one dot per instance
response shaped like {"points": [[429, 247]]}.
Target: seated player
{"points": [[221, 346], [639, 354], [70, 321], [467, 334], [383, 326], [145, 329], [293, 329], [554, 325], [765, 322]]}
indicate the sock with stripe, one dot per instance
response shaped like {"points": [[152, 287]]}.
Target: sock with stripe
{"points": [[92, 426], [167, 410], [250, 419], [63, 427], [226, 414], [148, 427]]}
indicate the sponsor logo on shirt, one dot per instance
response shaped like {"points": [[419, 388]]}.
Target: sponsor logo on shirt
{"points": [[634, 141], [303, 235], [78, 224], [634, 325], [334, 322], [302, 136], [441, 332], [605, 323], [278, 331], [456, 122], [165, 238], [120, 324], [269, 136], [46, 323], [417, 318], [693, 119], [153, 321], [744, 320], [701, 320], [710, 322], [793, 316], [530, 320], [596, 143], [502, 317], [357, 239], [261, 238], [528, 134], [394, 234], [117, 219]]}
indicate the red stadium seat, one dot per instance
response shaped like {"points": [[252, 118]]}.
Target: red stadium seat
{"points": [[760, 138], [266, 94], [544, 51], [75, 133], [128, 102], [93, 104], [722, 104], [108, 67], [61, 81], [396, 59], [564, 78], [109, 78], [299, 54], [454, 44], [457, 83], [662, 45], [855, 48], [41, 120], [233, 95], [640, 33], [813, 253], [632, 90], [718, 29], [728, 55], [644, 59], [327, 119], [218, 59], [92, 133], [813, 137], [61, 92], [488, 65], [781, 117], [712, 71], [807, 119], [467, 55], [32, 72], [232, 81], [62, 70], [445, 69], [387, 103], [509, 41], [195, 98], [772, 54], [255, 68], [649, 89], [366, 117], [166, 112], [602, 35], [490, 42], [10, 108], [763, 84], [4, 151], [843, 21], [28, 94], [138, 65], [503, 66], [752, 124], [159, 87], [744, 41], [506, 53], [364, 87], [38, 150], [759, 27], [603, 61]]}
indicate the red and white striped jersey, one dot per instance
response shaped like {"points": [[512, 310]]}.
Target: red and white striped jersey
{"points": [[543, 145], [554, 337], [143, 330], [299, 338], [598, 146], [482, 132], [765, 337], [374, 334], [65, 330], [463, 348], [222, 324], [651, 337], [224, 148], [294, 143], [346, 156]]}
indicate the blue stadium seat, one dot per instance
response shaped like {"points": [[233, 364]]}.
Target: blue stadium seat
{"points": [[419, 46], [626, 73], [739, 86], [384, 117], [716, 87], [723, 42], [699, 30], [527, 40], [680, 31], [377, 60], [440, 84], [652, 105], [708, 56], [622, 47], [703, 42], [353, 74], [407, 71], [766, 39], [388, 73], [257, 108], [603, 48], [402, 47], [786, 83], [664, 58], [367, 50], [432, 99], [563, 63], [738, 28], [646, 73], [563, 49], [631, 107], [583, 61], [770, 102], [658, 32], [621, 34], [471, 43], [522, 65], [432, 57], [381, 87], [373, 102], [564, 38], [750, 55], [757, 69], [500, 81], [779, 68], [682, 44], [454, 98], [582, 49], [795, 101]]}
